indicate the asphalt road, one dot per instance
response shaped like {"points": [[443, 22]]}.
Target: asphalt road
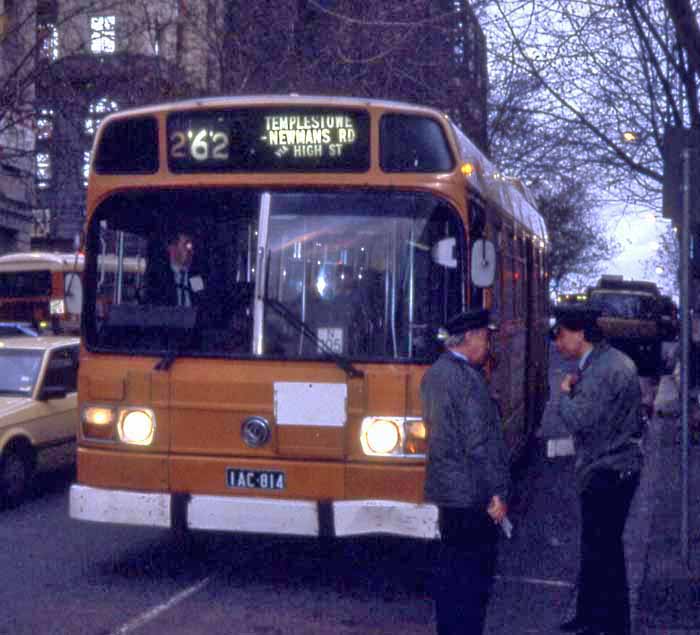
{"points": [[62, 576]]}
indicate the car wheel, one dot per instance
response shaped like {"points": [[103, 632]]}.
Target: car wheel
{"points": [[15, 475]]}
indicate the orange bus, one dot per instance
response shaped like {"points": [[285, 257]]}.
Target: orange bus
{"points": [[331, 239], [43, 289]]}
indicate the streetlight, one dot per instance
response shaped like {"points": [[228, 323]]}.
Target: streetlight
{"points": [[629, 136]]}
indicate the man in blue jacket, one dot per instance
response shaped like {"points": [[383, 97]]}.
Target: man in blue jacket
{"points": [[467, 474], [602, 408]]}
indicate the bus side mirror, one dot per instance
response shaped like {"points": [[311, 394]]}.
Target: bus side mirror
{"points": [[443, 252], [483, 263]]}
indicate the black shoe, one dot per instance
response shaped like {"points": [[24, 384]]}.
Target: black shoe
{"points": [[574, 625]]}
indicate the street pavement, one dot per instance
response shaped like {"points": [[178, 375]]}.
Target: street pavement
{"points": [[669, 595], [536, 583]]}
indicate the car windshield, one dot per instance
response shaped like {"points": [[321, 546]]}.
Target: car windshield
{"points": [[293, 274], [19, 370]]}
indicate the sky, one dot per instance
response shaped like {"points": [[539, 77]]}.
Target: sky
{"points": [[637, 233]]}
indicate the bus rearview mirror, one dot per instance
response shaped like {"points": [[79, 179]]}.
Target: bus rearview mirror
{"points": [[483, 263]]}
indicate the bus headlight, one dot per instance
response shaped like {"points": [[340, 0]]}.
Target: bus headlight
{"points": [[137, 426], [98, 422], [393, 436], [380, 436]]}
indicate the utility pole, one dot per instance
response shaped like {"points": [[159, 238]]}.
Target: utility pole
{"points": [[681, 192]]}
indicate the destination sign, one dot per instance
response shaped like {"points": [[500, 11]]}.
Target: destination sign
{"points": [[269, 140]]}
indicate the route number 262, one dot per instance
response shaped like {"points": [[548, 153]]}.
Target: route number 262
{"points": [[201, 145]]}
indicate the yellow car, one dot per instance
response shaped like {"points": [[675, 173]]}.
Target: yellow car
{"points": [[38, 409]]}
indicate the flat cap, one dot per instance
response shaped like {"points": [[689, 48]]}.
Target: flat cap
{"points": [[574, 317], [470, 321]]}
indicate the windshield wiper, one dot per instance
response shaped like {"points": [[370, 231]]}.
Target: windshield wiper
{"points": [[342, 362]]}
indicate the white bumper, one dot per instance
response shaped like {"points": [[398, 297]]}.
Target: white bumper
{"points": [[119, 507], [257, 515]]}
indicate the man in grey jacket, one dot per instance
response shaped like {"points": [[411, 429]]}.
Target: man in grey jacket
{"points": [[602, 408], [467, 474]]}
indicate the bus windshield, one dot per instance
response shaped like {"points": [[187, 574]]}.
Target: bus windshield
{"points": [[631, 306], [25, 284], [294, 274]]}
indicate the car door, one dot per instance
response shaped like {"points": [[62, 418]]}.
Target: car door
{"points": [[56, 425]]}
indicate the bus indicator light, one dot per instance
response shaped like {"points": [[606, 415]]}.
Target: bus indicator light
{"points": [[467, 169], [98, 416], [98, 422], [416, 437]]}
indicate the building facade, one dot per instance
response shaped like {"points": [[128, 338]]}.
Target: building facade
{"points": [[16, 130], [83, 59]]}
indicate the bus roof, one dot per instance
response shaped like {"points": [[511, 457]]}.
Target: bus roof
{"points": [[509, 193], [49, 261], [483, 177], [41, 260], [293, 99], [618, 283]]}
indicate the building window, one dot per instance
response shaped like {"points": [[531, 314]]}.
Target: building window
{"points": [[459, 29], [86, 167], [43, 170], [102, 34], [44, 124], [47, 37], [41, 227], [97, 111]]}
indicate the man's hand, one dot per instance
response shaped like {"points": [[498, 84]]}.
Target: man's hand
{"points": [[497, 509], [568, 382]]}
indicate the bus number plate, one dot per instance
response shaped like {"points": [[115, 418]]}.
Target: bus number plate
{"points": [[255, 479]]}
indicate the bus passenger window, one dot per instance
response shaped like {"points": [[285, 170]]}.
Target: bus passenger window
{"points": [[410, 143]]}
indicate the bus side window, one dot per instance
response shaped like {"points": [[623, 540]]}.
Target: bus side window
{"points": [[497, 292]]}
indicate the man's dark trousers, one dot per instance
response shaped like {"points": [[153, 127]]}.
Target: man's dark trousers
{"points": [[464, 571], [603, 594]]}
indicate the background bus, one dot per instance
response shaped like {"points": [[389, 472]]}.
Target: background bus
{"points": [[45, 289], [636, 318], [333, 238]]}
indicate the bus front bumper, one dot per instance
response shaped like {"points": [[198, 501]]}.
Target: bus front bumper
{"points": [[255, 515]]}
